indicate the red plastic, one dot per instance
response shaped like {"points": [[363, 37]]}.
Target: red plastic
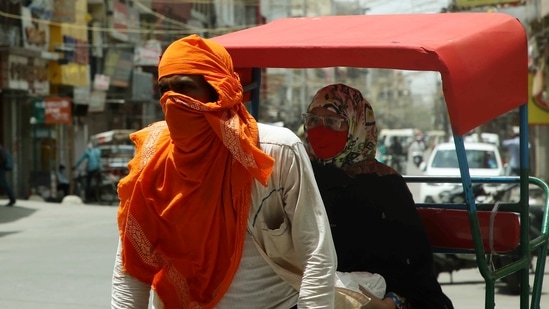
{"points": [[480, 56], [450, 229]]}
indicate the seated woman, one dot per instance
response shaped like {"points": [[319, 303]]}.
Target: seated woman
{"points": [[372, 214]]}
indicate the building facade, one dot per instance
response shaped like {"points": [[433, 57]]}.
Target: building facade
{"points": [[75, 68]]}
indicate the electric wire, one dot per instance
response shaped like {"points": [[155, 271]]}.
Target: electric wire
{"points": [[187, 29]]}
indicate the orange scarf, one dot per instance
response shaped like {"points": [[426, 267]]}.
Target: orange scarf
{"points": [[184, 205]]}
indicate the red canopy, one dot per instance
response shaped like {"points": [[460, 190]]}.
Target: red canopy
{"points": [[482, 57]]}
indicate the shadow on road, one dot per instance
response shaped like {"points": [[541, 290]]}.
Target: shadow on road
{"points": [[10, 214], [463, 282]]}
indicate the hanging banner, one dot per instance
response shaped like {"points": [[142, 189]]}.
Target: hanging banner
{"points": [[64, 11], [36, 30], [118, 67], [147, 53], [119, 21], [97, 101]]}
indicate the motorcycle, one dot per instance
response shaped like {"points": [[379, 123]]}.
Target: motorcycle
{"points": [[417, 158], [103, 187], [484, 193]]}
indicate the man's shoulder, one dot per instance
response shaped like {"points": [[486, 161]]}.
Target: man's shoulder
{"points": [[276, 135], [156, 131]]}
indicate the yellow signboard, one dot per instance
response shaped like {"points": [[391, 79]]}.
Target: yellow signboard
{"points": [[538, 104], [472, 3]]}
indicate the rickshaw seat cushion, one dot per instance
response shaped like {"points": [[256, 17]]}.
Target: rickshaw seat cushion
{"points": [[450, 229]]}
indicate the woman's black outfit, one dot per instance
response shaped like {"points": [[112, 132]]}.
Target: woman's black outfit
{"points": [[377, 229]]}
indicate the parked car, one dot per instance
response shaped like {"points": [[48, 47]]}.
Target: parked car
{"points": [[484, 160]]}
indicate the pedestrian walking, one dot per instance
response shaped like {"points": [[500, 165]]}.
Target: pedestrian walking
{"points": [[92, 156], [6, 165]]}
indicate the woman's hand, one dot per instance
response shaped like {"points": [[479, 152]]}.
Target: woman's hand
{"points": [[375, 302]]}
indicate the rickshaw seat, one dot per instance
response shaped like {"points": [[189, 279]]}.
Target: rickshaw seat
{"points": [[450, 229]]}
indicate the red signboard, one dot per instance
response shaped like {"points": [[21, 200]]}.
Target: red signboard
{"points": [[58, 110]]}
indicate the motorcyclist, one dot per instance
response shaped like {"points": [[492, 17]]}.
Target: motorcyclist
{"points": [[417, 148], [396, 151]]}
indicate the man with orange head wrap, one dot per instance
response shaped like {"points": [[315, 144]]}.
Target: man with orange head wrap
{"points": [[218, 211]]}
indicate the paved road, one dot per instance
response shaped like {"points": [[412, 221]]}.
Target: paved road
{"points": [[57, 256], [467, 290]]}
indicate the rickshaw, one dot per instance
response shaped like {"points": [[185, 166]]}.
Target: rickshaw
{"points": [[482, 60]]}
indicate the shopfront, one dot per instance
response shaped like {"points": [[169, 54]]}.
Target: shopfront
{"points": [[24, 78]]}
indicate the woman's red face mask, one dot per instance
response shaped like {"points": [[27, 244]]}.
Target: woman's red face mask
{"points": [[326, 132], [326, 143]]}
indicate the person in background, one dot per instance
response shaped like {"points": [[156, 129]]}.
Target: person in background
{"points": [[512, 145], [92, 156], [381, 153], [6, 165], [372, 214], [417, 149], [218, 211], [63, 184]]}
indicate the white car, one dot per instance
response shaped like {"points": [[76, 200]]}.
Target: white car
{"points": [[484, 160]]}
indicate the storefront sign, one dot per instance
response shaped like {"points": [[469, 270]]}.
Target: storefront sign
{"points": [[51, 110], [57, 110], [27, 74]]}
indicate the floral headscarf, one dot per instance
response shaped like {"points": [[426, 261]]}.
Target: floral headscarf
{"points": [[358, 156]]}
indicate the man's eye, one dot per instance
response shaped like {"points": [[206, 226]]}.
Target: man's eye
{"points": [[182, 88], [163, 88]]}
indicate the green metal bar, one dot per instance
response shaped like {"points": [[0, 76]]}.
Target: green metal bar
{"points": [[489, 299], [482, 264], [524, 207], [540, 243]]}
